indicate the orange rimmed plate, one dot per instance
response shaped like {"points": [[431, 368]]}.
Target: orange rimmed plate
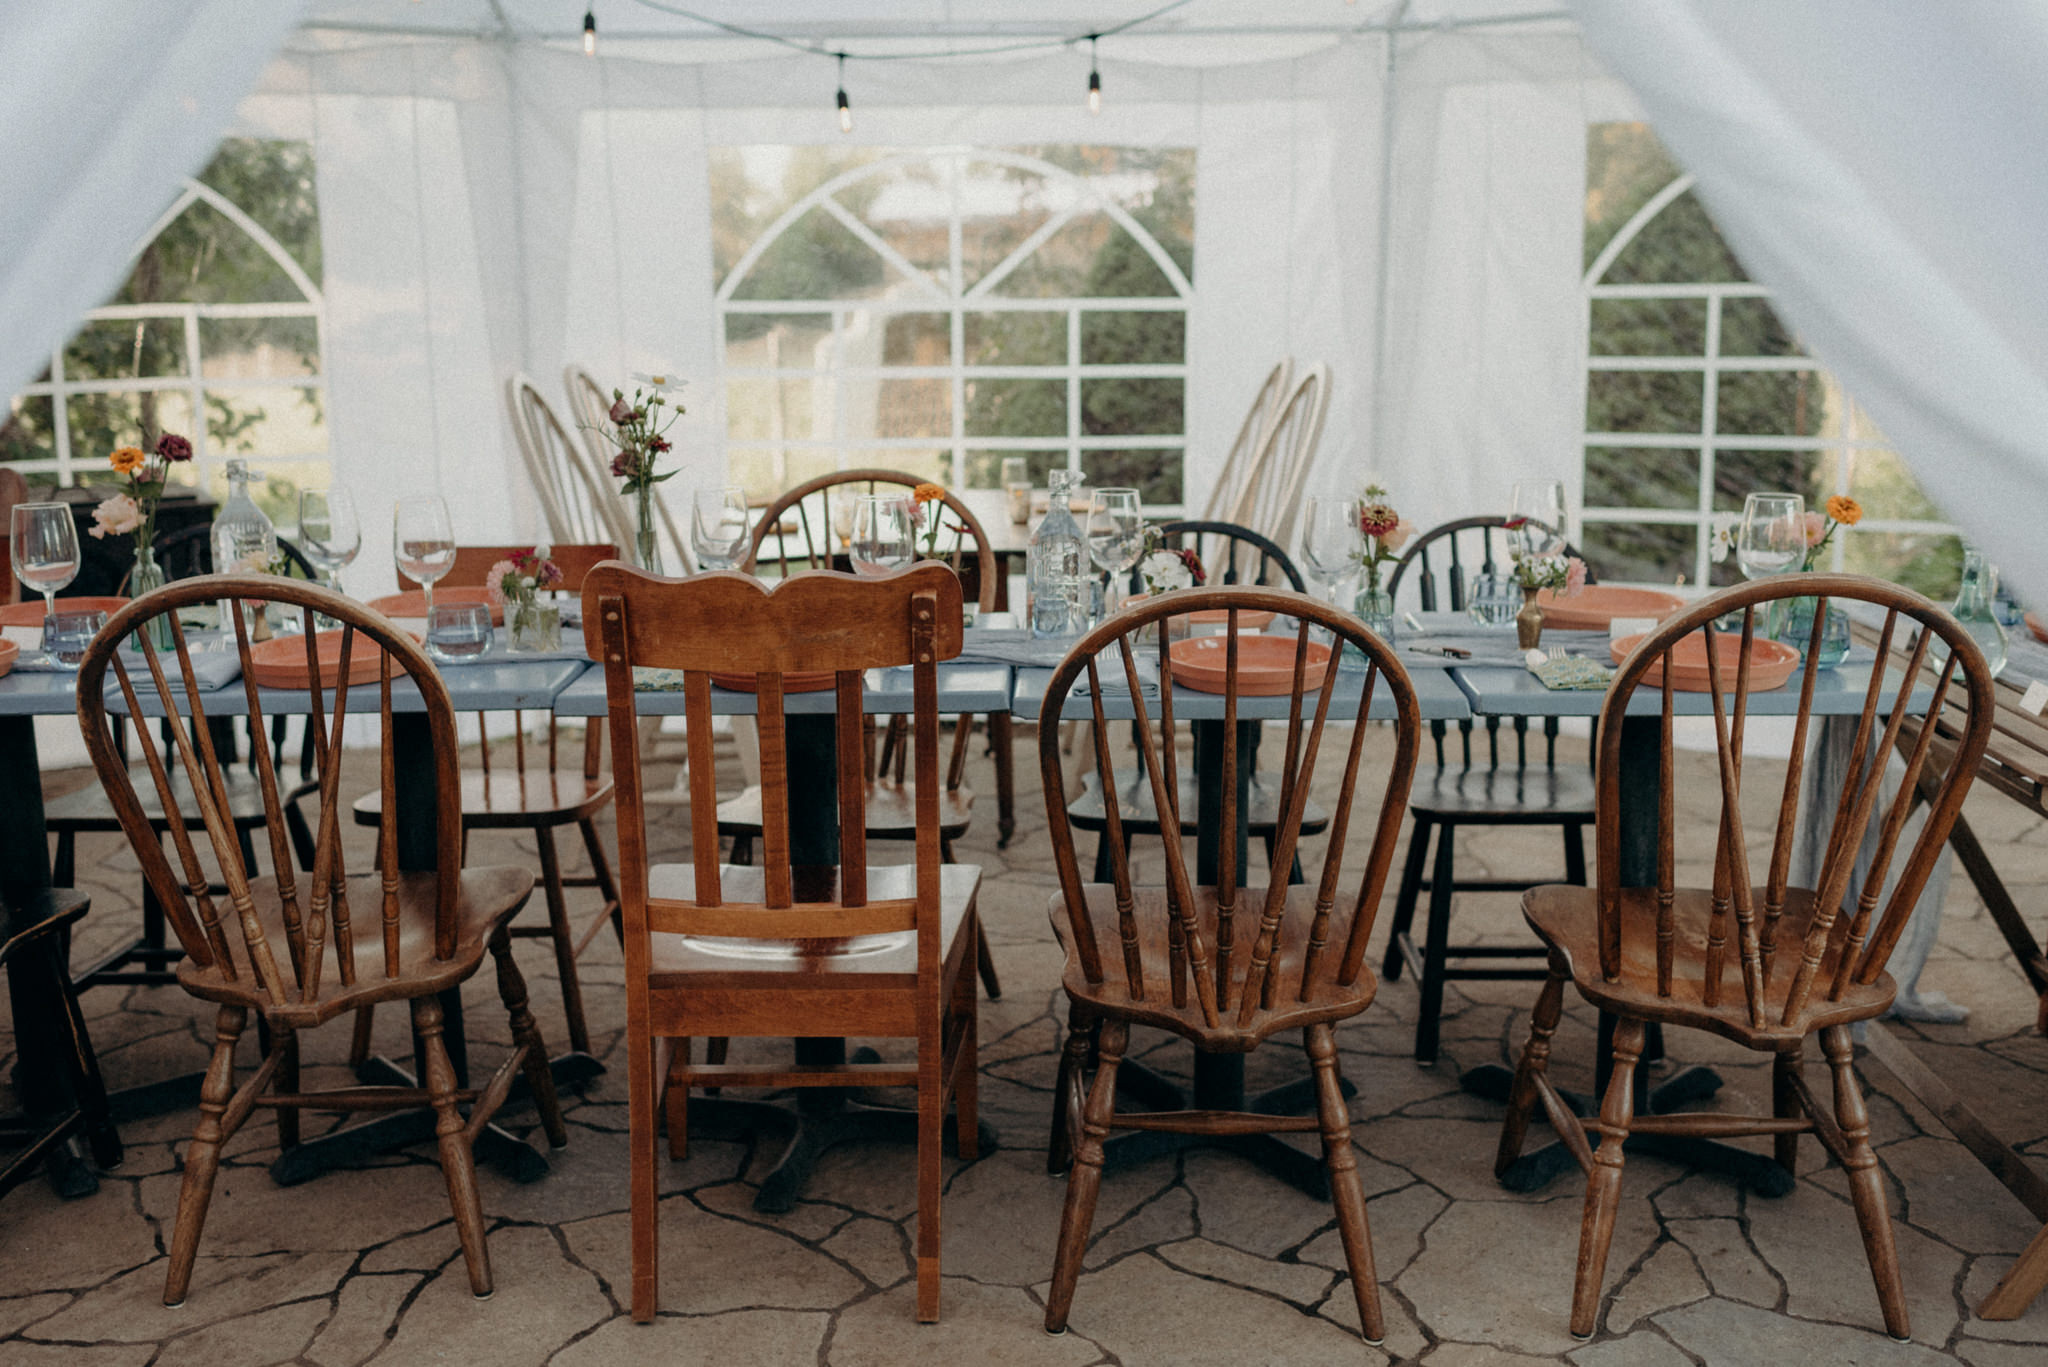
{"points": [[2034, 625], [1594, 607], [1770, 662], [9, 653], [30, 614], [1247, 619], [280, 662], [414, 603], [1265, 664], [812, 681]]}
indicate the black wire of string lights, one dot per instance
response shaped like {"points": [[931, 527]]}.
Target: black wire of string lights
{"points": [[845, 107]]}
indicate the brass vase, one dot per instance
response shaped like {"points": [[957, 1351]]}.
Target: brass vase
{"points": [[1529, 621]]}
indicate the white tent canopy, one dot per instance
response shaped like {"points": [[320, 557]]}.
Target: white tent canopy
{"points": [[1394, 188]]}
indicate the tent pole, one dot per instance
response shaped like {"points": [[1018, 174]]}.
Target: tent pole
{"points": [[1383, 249]]}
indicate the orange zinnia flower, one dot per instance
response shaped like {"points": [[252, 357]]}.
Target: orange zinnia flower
{"points": [[126, 460], [1845, 510], [929, 493]]}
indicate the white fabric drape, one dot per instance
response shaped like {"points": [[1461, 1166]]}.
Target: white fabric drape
{"points": [[106, 104], [1878, 164]]}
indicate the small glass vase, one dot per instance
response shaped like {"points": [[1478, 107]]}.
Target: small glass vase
{"points": [[646, 546], [147, 577], [535, 626], [1529, 621], [1374, 606], [1795, 629]]}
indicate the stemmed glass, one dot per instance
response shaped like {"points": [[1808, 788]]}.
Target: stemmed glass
{"points": [[718, 526], [883, 538], [1539, 504], [423, 541], [1330, 541], [1772, 538], [44, 543], [1116, 538], [329, 533]]}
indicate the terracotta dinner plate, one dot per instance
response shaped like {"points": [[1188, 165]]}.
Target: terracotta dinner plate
{"points": [[30, 613], [414, 604], [1247, 620], [1593, 607], [1770, 663], [9, 653], [2034, 625], [280, 662], [1265, 664], [816, 681]]}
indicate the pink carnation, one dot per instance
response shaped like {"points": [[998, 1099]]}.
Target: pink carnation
{"points": [[494, 579], [1574, 576], [116, 516]]}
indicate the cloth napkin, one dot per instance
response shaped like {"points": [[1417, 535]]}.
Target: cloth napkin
{"points": [[1572, 672], [1014, 646]]}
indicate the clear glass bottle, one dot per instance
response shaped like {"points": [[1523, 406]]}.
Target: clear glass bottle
{"points": [[1973, 608], [1056, 566], [244, 540]]}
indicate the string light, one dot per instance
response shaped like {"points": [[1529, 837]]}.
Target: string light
{"points": [[845, 109], [590, 32], [1094, 79]]}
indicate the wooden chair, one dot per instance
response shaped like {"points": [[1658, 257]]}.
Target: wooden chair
{"points": [[1237, 472], [1459, 790], [1806, 962], [54, 1048], [267, 950], [682, 978], [1280, 467], [589, 401], [536, 794], [13, 490], [1181, 958], [577, 500]]}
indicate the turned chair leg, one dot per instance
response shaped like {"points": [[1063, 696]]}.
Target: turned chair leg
{"points": [[81, 1064], [458, 1164], [564, 936], [1786, 1105], [1535, 1063], [287, 1082], [1405, 900], [540, 1079], [1436, 951], [1084, 1180], [1866, 1183], [1006, 783], [1603, 1183], [1069, 1098], [202, 1159], [601, 872], [1345, 1189]]}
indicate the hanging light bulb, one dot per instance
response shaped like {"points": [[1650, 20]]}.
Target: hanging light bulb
{"points": [[845, 109], [1094, 80], [590, 32]]}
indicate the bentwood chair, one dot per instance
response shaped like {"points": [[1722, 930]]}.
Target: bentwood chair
{"points": [[1805, 961], [577, 500], [721, 950], [1461, 789], [267, 949], [1226, 967], [539, 795], [1238, 463], [1280, 466]]}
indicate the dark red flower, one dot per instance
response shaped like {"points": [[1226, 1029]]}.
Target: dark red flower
{"points": [[620, 410], [658, 444], [171, 446], [1194, 564], [625, 465]]}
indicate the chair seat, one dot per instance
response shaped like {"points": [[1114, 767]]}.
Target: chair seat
{"points": [[1327, 1000], [891, 812], [1140, 816], [486, 898], [533, 796], [1566, 918], [28, 918], [1506, 795], [90, 810]]}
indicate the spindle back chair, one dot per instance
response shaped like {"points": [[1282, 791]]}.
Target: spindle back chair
{"points": [[1440, 565], [269, 948], [1280, 470], [683, 979], [572, 483], [1805, 961], [1224, 966], [1239, 462], [589, 402], [1233, 555]]}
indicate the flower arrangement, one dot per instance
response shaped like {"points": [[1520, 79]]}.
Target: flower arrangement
{"points": [[1843, 511], [1384, 531], [132, 512], [1565, 573], [1166, 568], [518, 583], [638, 428], [927, 526]]}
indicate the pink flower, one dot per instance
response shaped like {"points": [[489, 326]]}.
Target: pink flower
{"points": [[116, 516], [1403, 533], [620, 410], [1816, 529], [494, 580], [1574, 576]]}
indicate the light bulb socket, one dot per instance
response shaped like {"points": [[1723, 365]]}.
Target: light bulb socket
{"points": [[1094, 91], [590, 33], [845, 108]]}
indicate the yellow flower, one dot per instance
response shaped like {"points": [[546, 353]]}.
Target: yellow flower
{"points": [[126, 460], [1845, 510], [929, 493]]}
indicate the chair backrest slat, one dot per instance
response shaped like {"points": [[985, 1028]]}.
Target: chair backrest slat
{"points": [[1279, 472], [1224, 563], [1239, 463], [1415, 565], [967, 543], [577, 498]]}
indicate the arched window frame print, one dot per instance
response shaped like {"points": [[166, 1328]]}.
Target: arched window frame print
{"points": [[1835, 452], [937, 291], [71, 465]]}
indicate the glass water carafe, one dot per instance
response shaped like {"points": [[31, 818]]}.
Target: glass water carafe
{"points": [[244, 542], [1974, 611], [1056, 567]]}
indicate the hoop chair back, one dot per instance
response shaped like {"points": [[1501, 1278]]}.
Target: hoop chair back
{"points": [[1272, 495], [188, 551], [286, 962], [1245, 558], [589, 402], [816, 540], [1255, 959], [1442, 561], [576, 498], [1237, 472], [730, 622], [1789, 985]]}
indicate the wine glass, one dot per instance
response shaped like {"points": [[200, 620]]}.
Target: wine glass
{"points": [[329, 533], [1539, 504], [1772, 538], [1116, 538], [718, 526], [1330, 541], [44, 543], [883, 539], [423, 540]]}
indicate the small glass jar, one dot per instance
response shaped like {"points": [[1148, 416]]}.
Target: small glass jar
{"points": [[1795, 629], [535, 626]]}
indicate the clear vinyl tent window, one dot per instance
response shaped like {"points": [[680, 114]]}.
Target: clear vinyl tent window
{"points": [[215, 335], [1698, 394], [939, 310]]}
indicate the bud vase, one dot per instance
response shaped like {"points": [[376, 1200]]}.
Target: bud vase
{"points": [[646, 548], [147, 577], [1795, 629], [1374, 606], [535, 626], [1529, 621]]}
